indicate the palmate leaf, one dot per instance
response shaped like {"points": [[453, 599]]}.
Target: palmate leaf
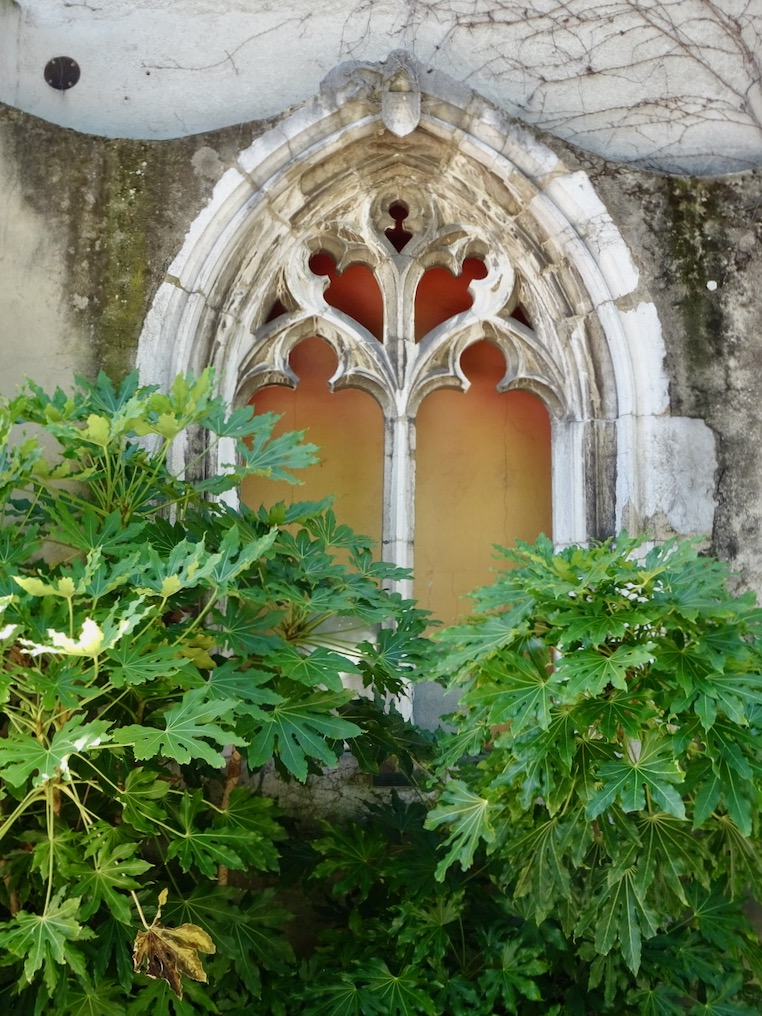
{"points": [[234, 558], [248, 688], [86, 529], [398, 995], [510, 979], [299, 729], [22, 757], [648, 765], [263, 455], [659, 1001], [672, 851], [207, 849], [740, 857], [188, 728], [319, 668], [111, 949], [622, 916], [589, 671], [250, 933], [134, 662], [353, 858], [719, 919], [471, 820], [106, 878], [624, 711], [242, 629], [143, 790], [427, 928], [99, 999], [596, 627], [343, 997], [518, 688], [543, 875], [41, 939], [468, 644]]}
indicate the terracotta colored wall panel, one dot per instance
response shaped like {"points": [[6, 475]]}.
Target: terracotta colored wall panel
{"points": [[483, 478], [348, 427]]}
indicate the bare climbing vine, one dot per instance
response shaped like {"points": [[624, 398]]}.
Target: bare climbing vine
{"points": [[668, 84]]}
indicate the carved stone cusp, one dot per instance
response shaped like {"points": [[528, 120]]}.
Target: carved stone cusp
{"points": [[400, 95]]}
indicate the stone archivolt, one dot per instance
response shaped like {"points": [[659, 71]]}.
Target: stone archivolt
{"points": [[475, 185]]}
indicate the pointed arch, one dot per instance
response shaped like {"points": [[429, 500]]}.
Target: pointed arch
{"points": [[474, 184]]}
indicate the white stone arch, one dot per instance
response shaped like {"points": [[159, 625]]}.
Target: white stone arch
{"points": [[322, 176]]}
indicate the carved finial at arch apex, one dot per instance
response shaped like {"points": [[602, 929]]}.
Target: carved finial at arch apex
{"points": [[400, 95], [393, 84]]}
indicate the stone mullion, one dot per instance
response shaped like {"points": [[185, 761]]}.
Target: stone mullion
{"points": [[399, 452]]}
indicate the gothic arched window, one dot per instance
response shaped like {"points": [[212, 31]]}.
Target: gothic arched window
{"points": [[393, 343]]}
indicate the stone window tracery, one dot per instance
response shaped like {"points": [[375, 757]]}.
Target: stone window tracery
{"points": [[413, 305]]}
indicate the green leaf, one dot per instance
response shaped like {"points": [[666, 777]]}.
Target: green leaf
{"points": [[297, 730], [471, 820], [41, 939], [21, 757], [621, 915], [101, 999], [188, 728], [133, 662], [106, 878], [233, 559], [659, 1001], [353, 859], [341, 998], [468, 644], [590, 672], [643, 766], [510, 979], [672, 851], [518, 688], [401, 994], [140, 800], [319, 668], [253, 934], [230, 682], [207, 851], [87, 530], [719, 918], [543, 875]]}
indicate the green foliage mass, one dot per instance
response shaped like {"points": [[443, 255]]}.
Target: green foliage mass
{"points": [[606, 767], [153, 640], [589, 830]]}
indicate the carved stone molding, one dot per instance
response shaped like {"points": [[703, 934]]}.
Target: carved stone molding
{"points": [[474, 184]]}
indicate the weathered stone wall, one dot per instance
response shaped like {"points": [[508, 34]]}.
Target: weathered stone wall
{"points": [[699, 243], [89, 226]]}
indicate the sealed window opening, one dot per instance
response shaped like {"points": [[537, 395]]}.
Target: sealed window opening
{"points": [[483, 477], [441, 295], [354, 291], [347, 426], [397, 235]]}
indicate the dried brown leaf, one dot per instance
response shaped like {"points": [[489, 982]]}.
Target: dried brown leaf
{"points": [[168, 953]]}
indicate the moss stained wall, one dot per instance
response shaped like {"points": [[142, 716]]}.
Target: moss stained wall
{"points": [[109, 216], [115, 213], [698, 244]]}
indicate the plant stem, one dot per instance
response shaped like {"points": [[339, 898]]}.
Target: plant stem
{"points": [[141, 915]]}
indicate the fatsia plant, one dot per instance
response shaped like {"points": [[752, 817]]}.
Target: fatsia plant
{"points": [[607, 766], [153, 642]]}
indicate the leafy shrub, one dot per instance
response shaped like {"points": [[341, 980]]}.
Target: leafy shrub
{"points": [[592, 825], [606, 768], [153, 641]]}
